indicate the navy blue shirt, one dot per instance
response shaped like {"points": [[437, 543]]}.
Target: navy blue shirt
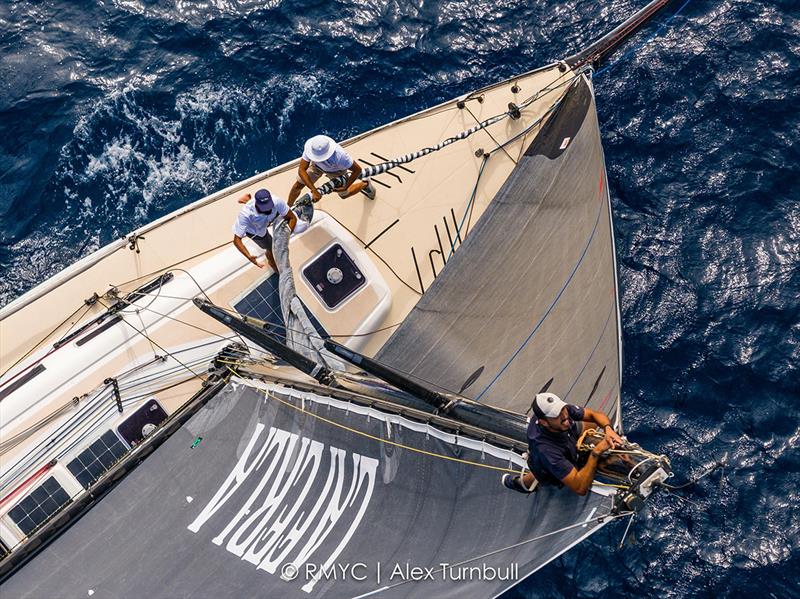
{"points": [[551, 456]]}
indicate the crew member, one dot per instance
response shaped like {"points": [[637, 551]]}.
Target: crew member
{"points": [[254, 219], [323, 156], [553, 446]]}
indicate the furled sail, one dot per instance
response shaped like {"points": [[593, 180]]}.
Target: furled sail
{"points": [[301, 335], [530, 298]]}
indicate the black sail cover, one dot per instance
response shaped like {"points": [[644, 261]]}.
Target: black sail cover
{"points": [[531, 296], [259, 494]]}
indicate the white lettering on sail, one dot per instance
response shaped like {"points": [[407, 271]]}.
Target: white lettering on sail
{"points": [[301, 525], [364, 468], [273, 537], [279, 447], [274, 499], [288, 467], [237, 476]]}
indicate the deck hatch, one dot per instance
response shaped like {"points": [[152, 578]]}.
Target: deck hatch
{"points": [[142, 422], [264, 302], [334, 276], [39, 506], [96, 459]]}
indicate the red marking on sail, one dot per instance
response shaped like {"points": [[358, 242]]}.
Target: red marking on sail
{"points": [[605, 399]]}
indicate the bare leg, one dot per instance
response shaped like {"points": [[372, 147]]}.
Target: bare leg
{"points": [[355, 188], [294, 192], [271, 259]]}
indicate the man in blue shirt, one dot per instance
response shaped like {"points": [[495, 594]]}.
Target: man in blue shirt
{"points": [[254, 219], [323, 156], [553, 435]]}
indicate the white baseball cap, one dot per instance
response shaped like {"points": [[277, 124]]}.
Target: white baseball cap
{"points": [[547, 405], [319, 148]]}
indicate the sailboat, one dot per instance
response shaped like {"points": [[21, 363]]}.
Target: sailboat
{"points": [[178, 422]]}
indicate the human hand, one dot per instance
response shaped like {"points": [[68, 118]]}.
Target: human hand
{"points": [[315, 196], [602, 446], [244, 199], [255, 261], [612, 437]]}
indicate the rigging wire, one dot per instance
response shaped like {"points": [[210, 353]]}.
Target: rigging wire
{"points": [[470, 205], [159, 346], [273, 325], [11, 442], [173, 265], [489, 133]]}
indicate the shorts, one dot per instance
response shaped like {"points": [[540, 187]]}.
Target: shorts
{"points": [[262, 241], [314, 173]]}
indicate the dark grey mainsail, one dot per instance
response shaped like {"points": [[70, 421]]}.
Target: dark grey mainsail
{"points": [[273, 485], [531, 295]]}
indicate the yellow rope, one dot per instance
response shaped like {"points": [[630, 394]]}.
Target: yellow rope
{"points": [[401, 446], [595, 482], [386, 441]]}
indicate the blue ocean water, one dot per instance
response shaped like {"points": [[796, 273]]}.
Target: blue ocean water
{"points": [[115, 112]]}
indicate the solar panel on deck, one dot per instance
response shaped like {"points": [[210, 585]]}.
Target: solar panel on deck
{"points": [[264, 303], [96, 459], [39, 505]]}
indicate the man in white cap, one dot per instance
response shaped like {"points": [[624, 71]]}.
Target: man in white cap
{"points": [[553, 435], [254, 219], [323, 156]]}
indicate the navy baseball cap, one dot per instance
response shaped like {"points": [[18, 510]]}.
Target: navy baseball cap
{"points": [[264, 201]]}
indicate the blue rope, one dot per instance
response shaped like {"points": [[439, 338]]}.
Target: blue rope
{"points": [[635, 48]]}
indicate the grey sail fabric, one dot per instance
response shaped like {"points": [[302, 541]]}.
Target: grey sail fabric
{"points": [[268, 486], [531, 296]]}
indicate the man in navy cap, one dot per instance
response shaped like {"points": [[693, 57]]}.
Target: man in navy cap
{"points": [[553, 435], [323, 156], [254, 219]]}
